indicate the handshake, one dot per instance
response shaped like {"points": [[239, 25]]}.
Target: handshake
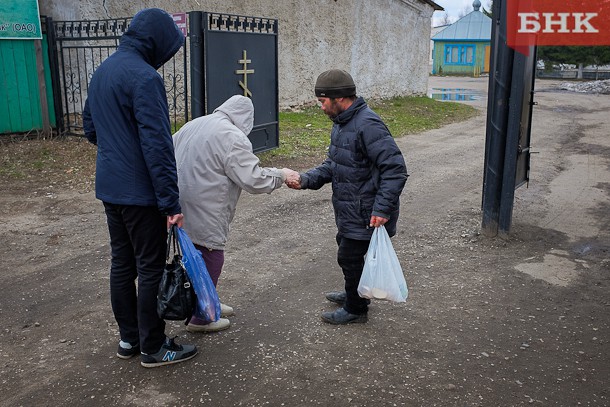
{"points": [[291, 178]]}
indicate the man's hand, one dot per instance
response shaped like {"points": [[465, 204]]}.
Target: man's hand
{"points": [[292, 178], [177, 219], [378, 221]]}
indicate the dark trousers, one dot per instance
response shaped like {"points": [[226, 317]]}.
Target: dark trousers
{"points": [[214, 260], [138, 241], [350, 257]]}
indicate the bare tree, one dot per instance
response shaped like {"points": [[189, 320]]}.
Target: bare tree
{"points": [[464, 11], [445, 20], [487, 11]]}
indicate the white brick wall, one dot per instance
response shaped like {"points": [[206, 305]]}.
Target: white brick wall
{"points": [[384, 44]]}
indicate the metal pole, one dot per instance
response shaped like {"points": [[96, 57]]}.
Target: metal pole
{"points": [[55, 81], [42, 90], [497, 119], [197, 63]]}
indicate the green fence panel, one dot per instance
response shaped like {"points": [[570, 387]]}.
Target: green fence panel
{"points": [[10, 116], [4, 81], [20, 107]]}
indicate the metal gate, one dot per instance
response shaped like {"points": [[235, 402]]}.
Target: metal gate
{"points": [[78, 47], [232, 55], [223, 55]]}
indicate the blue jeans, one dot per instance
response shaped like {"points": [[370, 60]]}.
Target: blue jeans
{"points": [[350, 257], [138, 241]]}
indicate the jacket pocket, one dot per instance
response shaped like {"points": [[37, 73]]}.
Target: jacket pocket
{"points": [[365, 213]]}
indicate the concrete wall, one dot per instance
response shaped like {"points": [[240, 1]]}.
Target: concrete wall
{"points": [[384, 44]]}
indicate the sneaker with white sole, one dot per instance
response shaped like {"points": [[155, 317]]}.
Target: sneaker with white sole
{"points": [[226, 311], [126, 350], [196, 326], [169, 353]]}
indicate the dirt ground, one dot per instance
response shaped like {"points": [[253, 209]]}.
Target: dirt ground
{"points": [[522, 320]]}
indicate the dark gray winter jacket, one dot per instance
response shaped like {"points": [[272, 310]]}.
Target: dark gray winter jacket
{"points": [[367, 171]]}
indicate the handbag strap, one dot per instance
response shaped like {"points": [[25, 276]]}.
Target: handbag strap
{"points": [[172, 240]]}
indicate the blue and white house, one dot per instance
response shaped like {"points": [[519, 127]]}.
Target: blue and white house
{"points": [[464, 47]]}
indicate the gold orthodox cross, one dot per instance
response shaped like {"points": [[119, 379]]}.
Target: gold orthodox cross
{"points": [[245, 71]]}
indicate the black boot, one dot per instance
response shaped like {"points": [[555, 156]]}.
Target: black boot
{"points": [[338, 297]]}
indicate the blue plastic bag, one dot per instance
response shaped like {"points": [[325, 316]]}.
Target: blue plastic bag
{"points": [[208, 304], [382, 277]]}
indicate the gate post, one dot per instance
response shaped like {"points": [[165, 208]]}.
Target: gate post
{"points": [[197, 64], [42, 90], [509, 115], [55, 82], [500, 76]]}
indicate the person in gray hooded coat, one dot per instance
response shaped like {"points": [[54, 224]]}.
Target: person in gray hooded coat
{"points": [[215, 163]]}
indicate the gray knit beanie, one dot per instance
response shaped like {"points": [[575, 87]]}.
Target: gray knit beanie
{"points": [[335, 83]]}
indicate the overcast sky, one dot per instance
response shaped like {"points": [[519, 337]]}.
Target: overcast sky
{"points": [[453, 7]]}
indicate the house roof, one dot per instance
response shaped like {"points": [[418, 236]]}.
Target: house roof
{"points": [[473, 26], [439, 28], [433, 4]]}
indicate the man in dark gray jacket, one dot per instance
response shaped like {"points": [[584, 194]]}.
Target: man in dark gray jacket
{"points": [[367, 172]]}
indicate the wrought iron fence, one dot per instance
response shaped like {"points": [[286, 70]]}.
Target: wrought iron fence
{"points": [[81, 46]]}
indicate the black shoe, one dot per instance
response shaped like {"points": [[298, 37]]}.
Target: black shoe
{"points": [[338, 297], [342, 317], [169, 353], [127, 350]]}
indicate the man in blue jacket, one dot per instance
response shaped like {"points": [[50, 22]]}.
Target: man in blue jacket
{"points": [[126, 115], [367, 172]]}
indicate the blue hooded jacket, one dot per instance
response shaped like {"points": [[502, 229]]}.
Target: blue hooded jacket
{"points": [[126, 115]]}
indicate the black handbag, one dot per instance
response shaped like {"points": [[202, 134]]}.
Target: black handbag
{"points": [[176, 298]]}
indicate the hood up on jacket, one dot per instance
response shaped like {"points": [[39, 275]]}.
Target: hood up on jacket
{"points": [[240, 110], [154, 34]]}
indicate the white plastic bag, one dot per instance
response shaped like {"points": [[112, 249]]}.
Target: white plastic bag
{"points": [[382, 277]]}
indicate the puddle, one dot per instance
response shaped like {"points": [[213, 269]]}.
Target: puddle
{"points": [[456, 94], [591, 248], [554, 269], [563, 109], [583, 248]]}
